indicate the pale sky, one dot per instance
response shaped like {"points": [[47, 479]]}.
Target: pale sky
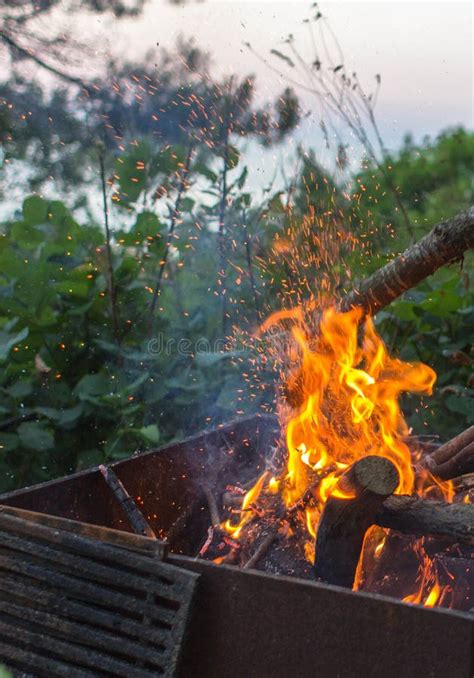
{"points": [[423, 50]]}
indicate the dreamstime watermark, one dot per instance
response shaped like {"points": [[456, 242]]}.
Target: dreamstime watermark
{"points": [[160, 345], [185, 347]]}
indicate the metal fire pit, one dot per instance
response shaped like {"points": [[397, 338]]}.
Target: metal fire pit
{"points": [[251, 623]]}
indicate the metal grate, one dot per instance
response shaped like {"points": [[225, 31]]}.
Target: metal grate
{"points": [[72, 605]]}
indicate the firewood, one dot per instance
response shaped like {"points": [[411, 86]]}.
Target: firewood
{"points": [[212, 504], [445, 243], [285, 514], [420, 517], [463, 483], [262, 548], [135, 517], [454, 458], [452, 447], [462, 462], [344, 522]]}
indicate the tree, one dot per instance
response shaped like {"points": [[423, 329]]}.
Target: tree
{"points": [[23, 41]]}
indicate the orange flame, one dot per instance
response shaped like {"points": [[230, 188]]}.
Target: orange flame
{"points": [[246, 513], [346, 388], [435, 594], [350, 407]]}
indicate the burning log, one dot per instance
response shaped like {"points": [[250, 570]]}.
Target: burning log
{"points": [[412, 515], [444, 244], [348, 513], [454, 458]]}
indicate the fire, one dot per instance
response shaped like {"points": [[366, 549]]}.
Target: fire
{"points": [[433, 595], [433, 598], [341, 404], [246, 512], [349, 392]]}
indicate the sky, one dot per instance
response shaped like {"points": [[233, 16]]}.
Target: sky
{"points": [[423, 50]]}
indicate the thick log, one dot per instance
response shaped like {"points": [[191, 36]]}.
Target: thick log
{"points": [[446, 243], [344, 522], [420, 517]]}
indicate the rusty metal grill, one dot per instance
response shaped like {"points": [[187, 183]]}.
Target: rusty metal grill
{"points": [[243, 622], [71, 605]]}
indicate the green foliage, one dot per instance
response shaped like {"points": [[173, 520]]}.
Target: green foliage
{"points": [[435, 322], [72, 391], [77, 388], [434, 180]]}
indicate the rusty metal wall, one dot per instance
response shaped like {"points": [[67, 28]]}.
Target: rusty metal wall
{"points": [[166, 480], [254, 625]]}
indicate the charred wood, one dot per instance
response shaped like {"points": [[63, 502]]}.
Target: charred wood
{"points": [[212, 504], [286, 514], [412, 515], [262, 548], [344, 521], [464, 483], [135, 517]]}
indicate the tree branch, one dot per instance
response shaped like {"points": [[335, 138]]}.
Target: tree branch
{"points": [[174, 218], [16, 47], [110, 267], [446, 243]]}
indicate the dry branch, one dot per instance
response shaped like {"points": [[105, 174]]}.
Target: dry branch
{"points": [[344, 522], [133, 513], [446, 243], [262, 549], [454, 458], [212, 504]]}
